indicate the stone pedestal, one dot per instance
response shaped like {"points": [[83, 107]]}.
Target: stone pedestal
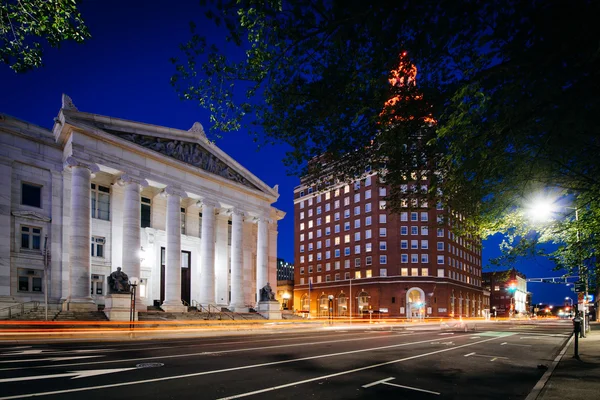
{"points": [[269, 309], [118, 307], [174, 308]]}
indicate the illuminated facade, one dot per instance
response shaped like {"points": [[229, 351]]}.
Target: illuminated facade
{"points": [[508, 291], [166, 205], [349, 246]]}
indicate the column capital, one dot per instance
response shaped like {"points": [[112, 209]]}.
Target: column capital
{"points": [[173, 191], [236, 211], [74, 162], [208, 203], [126, 179], [263, 219]]}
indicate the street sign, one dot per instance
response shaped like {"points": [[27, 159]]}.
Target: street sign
{"points": [[580, 286]]}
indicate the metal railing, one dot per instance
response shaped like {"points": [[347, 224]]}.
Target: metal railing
{"points": [[210, 309], [18, 309]]}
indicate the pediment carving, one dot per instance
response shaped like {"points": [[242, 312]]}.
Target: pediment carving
{"points": [[31, 215], [187, 152]]}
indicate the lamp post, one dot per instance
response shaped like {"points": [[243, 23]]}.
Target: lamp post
{"points": [[330, 308], [133, 282]]}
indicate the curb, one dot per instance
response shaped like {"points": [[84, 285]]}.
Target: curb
{"points": [[539, 386]]}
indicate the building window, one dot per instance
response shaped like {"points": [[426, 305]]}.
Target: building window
{"points": [[356, 223], [337, 277], [368, 247], [414, 258], [382, 204], [337, 265], [368, 234], [31, 195], [414, 230], [100, 202], [346, 264], [440, 232], [414, 216], [414, 272], [357, 197], [382, 259], [357, 262], [368, 207], [97, 285], [424, 258], [403, 230], [382, 245], [403, 216], [98, 246], [404, 244], [347, 251], [382, 218], [382, 271], [440, 272], [368, 221], [424, 244], [357, 249], [382, 232], [440, 246], [440, 259], [31, 237], [30, 280], [302, 215], [404, 258], [424, 216], [414, 244], [382, 191], [182, 210], [369, 260], [357, 210], [357, 275], [368, 194], [346, 226], [404, 271], [356, 236], [424, 230]]}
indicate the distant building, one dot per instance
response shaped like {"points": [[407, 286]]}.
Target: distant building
{"points": [[508, 291], [285, 270], [349, 246], [285, 284]]}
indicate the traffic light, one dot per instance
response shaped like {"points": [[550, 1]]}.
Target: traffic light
{"points": [[512, 286]]}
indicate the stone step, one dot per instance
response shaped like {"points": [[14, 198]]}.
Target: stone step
{"points": [[80, 316]]}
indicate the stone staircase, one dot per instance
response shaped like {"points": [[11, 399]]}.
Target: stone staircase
{"points": [[38, 315], [153, 315], [65, 316]]}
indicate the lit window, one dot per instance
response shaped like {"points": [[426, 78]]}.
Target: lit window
{"points": [[346, 238], [337, 240], [414, 272], [327, 219], [356, 274], [404, 271]]}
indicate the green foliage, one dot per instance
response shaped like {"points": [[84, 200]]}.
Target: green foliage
{"points": [[511, 83], [25, 23]]}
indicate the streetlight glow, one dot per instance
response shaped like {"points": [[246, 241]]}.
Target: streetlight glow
{"points": [[541, 209]]}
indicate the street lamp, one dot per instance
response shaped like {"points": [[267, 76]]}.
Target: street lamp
{"points": [[330, 308], [133, 281]]}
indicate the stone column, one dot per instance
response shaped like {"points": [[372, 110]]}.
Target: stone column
{"points": [[207, 253], [248, 244], [80, 233], [222, 259], [5, 225], [172, 301], [237, 278], [262, 256], [131, 230]]}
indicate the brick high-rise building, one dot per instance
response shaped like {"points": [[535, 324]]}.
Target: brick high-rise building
{"points": [[350, 246]]}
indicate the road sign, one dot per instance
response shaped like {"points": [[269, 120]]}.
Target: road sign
{"points": [[580, 286]]}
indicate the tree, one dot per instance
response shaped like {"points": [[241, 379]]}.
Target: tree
{"points": [[511, 85], [25, 24]]}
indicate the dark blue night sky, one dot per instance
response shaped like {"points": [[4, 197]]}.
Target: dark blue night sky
{"points": [[124, 71]]}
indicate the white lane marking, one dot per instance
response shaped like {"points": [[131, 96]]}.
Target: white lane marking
{"points": [[448, 343], [49, 351], [205, 353], [493, 358], [470, 354], [48, 359], [167, 378], [368, 385], [411, 388], [349, 371], [513, 344], [73, 374], [447, 333]]}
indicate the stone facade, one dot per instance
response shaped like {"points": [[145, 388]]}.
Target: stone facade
{"points": [[166, 205]]}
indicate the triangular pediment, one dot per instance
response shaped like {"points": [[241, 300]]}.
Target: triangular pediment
{"points": [[31, 215], [190, 147]]}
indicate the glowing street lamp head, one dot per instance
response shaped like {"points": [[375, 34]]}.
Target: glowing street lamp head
{"points": [[541, 210]]}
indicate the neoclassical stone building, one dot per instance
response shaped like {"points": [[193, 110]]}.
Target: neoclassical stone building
{"points": [[166, 205]]}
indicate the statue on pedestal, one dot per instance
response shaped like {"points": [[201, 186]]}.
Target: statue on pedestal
{"points": [[266, 293], [118, 282]]}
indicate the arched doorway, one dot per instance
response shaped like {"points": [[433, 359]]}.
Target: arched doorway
{"points": [[342, 305], [415, 303], [363, 302], [323, 306], [305, 304]]}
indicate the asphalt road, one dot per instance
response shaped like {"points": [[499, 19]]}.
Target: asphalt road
{"points": [[494, 361]]}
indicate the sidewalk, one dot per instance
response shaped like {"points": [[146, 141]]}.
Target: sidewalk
{"points": [[572, 378]]}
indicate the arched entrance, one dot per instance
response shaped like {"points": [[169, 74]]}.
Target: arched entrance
{"points": [[363, 302], [305, 304], [323, 306], [415, 303], [342, 305]]}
